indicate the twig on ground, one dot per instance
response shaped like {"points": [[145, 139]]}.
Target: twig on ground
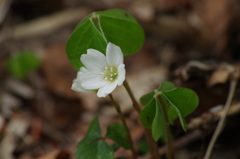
{"points": [[220, 125], [211, 117]]}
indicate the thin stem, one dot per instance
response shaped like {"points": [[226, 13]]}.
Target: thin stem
{"points": [[168, 131], [118, 109], [223, 117], [151, 143], [169, 143], [130, 93]]}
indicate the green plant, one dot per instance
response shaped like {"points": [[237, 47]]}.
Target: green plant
{"points": [[100, 41], [21, 63]]}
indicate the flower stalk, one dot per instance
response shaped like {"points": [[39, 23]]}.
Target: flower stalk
{"points": [[151, 143], [118, 109]]}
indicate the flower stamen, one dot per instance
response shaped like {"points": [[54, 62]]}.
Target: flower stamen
{"points": [[110, 74]]}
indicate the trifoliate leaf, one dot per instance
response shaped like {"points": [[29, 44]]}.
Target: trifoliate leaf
{"points": [[178, 102], [92, 146], [99, 28]]}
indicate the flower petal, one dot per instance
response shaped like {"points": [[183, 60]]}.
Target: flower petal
{"points": [[94, 61], [107, 89], [92, 81], [114, 55], [76, 86], [82, 70], [121, 74]]}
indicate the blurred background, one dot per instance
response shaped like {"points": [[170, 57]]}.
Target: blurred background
{"points": [[193, 43]]}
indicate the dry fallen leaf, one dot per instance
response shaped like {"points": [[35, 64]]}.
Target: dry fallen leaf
{"points": [[20, 88], [50, 155], [221, 74]]}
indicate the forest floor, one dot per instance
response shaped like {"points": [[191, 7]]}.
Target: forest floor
{"points": [[194, 44]]}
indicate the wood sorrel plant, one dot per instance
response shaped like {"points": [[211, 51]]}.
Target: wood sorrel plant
{"points": [[96, 48]]}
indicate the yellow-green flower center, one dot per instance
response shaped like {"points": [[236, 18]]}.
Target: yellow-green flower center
{"points": [[110, 74]]}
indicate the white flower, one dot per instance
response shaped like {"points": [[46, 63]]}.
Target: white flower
{"points": [[102, 73]]}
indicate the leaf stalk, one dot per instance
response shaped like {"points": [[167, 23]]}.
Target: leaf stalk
{"points": [[151, 143], [168, 131]]}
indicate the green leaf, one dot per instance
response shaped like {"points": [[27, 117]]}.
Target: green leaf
{"points": [[86, 36], [87, 149], [115, 146], [146, 117], [117, 133], [179, 102], [94, 130], [145, 99], [184, 100], [22, 63], [148, 113], [152, 117], [122, 29], [172, 113], [166, 86], [159, 124], [99, 28], [143, 147], [91, 146], [118, 14]]}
